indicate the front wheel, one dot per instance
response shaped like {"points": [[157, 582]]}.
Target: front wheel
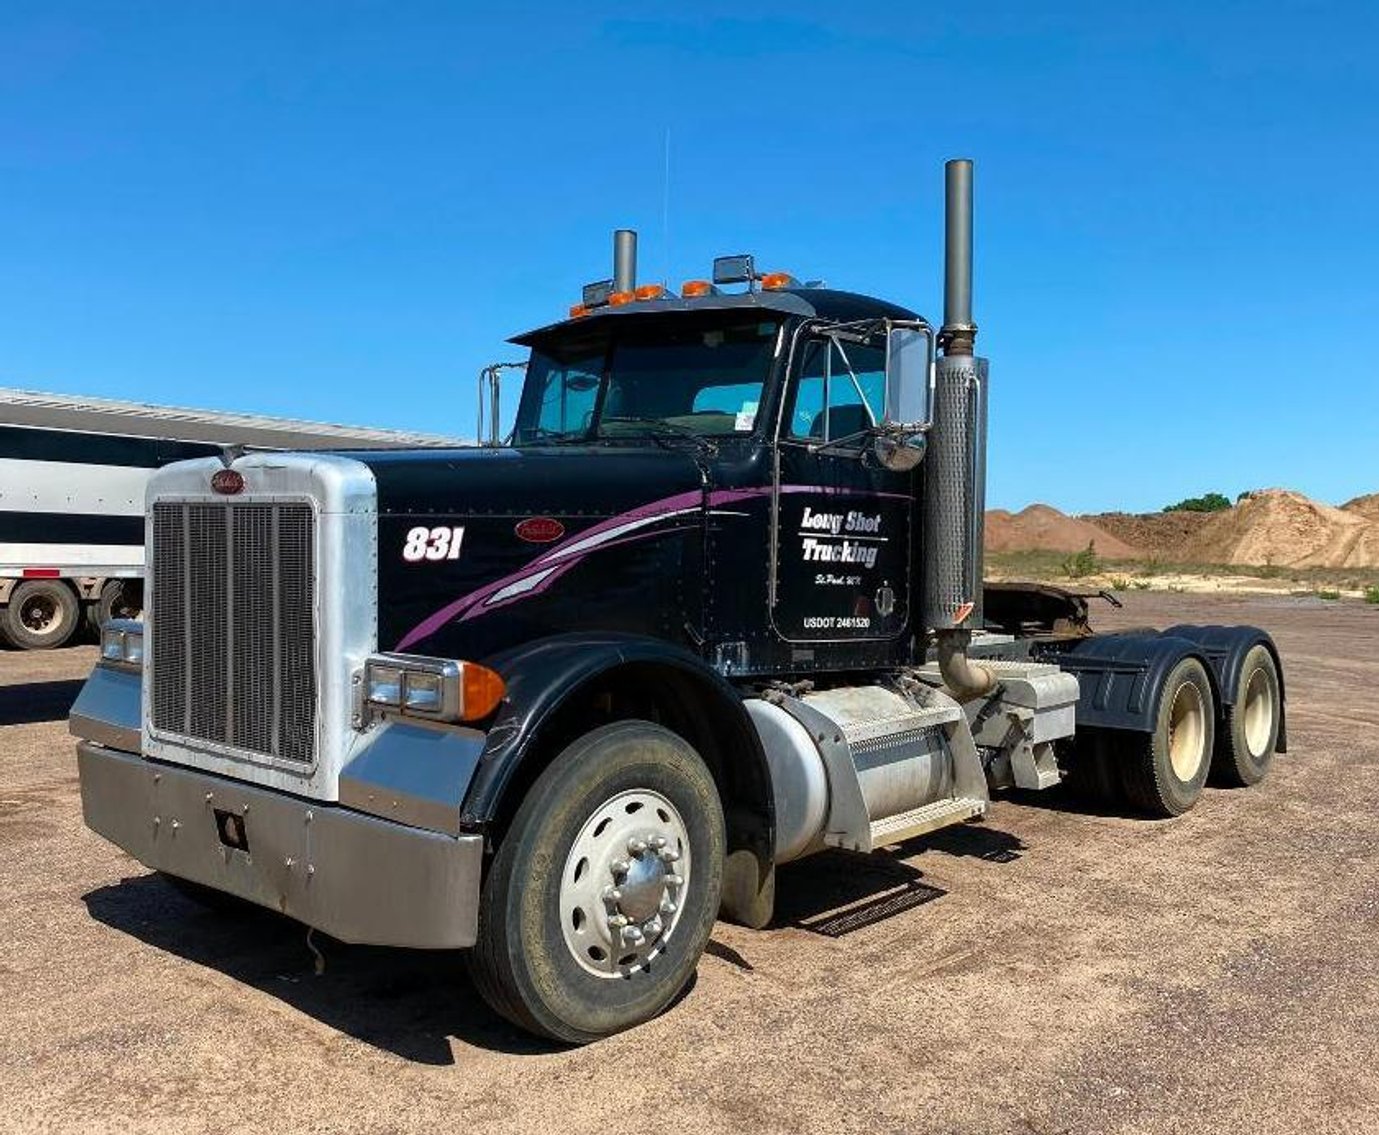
{"points": [[605, 888]]}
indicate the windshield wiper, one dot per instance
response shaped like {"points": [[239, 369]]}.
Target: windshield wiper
{"points": [[658, 430], [554, 437]]}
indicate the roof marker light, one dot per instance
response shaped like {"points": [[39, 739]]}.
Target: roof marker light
{"points": [[617, 299], [775, 281], [579, 309], [693, 289], [650, 292]]}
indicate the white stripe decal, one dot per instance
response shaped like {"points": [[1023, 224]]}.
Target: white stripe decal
{"points": [[71, 488]]}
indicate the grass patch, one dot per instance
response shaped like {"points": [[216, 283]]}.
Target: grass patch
{"points": [[1327, 593], [1372, 593]]}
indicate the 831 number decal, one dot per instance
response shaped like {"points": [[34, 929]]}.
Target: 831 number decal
{"points": [[440, 543]]}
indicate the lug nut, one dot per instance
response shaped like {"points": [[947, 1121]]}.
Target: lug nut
{"points": [[652, 927], [657, 842], [632, 936], [669, 855], [617, 921], [612, 896], [668, 906], [673, 880], [619, 866], [636, 847]]}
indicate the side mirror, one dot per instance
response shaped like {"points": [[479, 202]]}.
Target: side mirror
{"points": [[902, 432]]}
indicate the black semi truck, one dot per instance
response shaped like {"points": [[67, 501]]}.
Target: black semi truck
{"points": [[717, 604]]}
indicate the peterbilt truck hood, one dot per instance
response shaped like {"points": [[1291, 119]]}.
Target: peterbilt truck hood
{"points": [[479, 549]]}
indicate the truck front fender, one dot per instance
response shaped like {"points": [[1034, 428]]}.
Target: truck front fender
{"points": [[552, 686]]}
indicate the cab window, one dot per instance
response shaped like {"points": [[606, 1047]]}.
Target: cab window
{"points": [[841, 390]]}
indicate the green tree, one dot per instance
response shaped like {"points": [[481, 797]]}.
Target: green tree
{"points": [[1207, 502]]}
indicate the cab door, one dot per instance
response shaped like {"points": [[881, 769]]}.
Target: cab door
{"points": [[841, 545]]}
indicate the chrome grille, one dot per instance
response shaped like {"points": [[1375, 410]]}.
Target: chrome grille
{"points": [[234, 632]]}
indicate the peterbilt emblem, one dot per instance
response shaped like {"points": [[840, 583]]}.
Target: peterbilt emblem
{"points": [[227, 481], [540, 530]]}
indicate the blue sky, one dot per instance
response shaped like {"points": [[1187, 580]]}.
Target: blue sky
{"points": [[341, 210]]}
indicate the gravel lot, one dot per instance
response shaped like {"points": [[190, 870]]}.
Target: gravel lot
{"points": [[1049, 970]]}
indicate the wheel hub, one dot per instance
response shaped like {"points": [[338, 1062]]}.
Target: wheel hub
{"points": [[624, 879], [39, 614]]}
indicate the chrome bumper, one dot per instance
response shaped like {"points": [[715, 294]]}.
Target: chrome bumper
{"points": [[356, 877]]}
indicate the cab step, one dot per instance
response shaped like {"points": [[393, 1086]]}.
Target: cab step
{"points": [[928, 818]]}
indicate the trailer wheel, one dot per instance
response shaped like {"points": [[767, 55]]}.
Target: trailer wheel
{"points": [[1165, 773], [42, 614], [1245, 749], [605, 889]]}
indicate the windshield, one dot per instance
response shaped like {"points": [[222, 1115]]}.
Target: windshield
{"points": [[690, 374]]}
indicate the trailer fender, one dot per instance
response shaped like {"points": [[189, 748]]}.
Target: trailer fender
{"points": [[1120, 676], [1224, 649], [550, 683]]}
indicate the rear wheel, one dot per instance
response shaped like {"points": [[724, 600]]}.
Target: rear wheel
{"points": [[605, 889], [1166, 769], [1249, 736], [42, 614]]}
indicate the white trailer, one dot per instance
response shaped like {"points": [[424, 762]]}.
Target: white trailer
{"points": [[72, 479]]}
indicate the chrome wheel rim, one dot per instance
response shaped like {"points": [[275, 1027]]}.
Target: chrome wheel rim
{"points": [[1258, 713], [1187, 732], [622, 887]]}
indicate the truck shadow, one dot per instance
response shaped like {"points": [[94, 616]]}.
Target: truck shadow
{"points": [[836, 893], [407, 1002], [33, 702]]}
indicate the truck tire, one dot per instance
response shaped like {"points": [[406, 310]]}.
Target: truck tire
{"points": [[1092, 769], [1249, 733], [605, 888], [1164, 771], [42, 614], [119, 599]]}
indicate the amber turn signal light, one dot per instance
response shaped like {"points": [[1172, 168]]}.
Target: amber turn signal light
{"points": [[693, 289], [617, 299], [482, 688], [775, 281]]}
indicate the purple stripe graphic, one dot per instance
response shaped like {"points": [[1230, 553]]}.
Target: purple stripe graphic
{"points": [[546, 568]]}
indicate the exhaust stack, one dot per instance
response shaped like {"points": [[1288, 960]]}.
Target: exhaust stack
{"points": [[955, 472], [624, 260]]}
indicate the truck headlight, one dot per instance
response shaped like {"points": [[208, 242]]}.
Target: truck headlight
{"points": [[122, 644], [438, 689]]}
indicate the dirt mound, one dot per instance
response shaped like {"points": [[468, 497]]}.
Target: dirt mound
{"points": [[1286, 529], [1041, 528], [1366, 506], [1161, 535]]}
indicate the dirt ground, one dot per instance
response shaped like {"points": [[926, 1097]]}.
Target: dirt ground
{"points": [[1047, 971]]}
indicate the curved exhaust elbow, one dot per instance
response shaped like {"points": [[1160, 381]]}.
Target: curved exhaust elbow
{"points": [[962, 677]]}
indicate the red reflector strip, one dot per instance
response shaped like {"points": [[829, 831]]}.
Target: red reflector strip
{"points": [[42, 573]]}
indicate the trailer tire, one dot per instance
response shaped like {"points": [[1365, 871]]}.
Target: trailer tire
{"points": [[623, 832], [1165, 770], [1250, 725], [42, 614]]}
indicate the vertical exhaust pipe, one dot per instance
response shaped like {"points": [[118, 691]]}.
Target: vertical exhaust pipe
{"points": [[955, 472], [624, 260], [959, 332]]}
